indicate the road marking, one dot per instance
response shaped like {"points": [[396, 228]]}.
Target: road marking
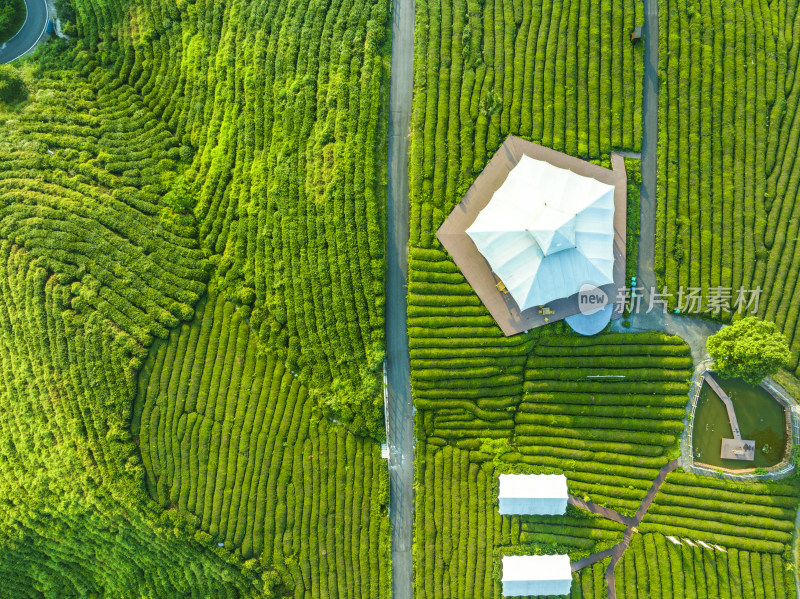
{"points": [[27, 12], [44, 29]]}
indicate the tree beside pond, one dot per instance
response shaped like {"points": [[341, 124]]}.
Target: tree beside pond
{"points": [[750, 349]]}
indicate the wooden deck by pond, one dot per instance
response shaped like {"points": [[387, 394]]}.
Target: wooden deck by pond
{"points": [[736, 448]]}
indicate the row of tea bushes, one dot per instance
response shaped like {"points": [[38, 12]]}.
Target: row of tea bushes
{"points": [[82, 169], [749, 516], [655, 568], [563, 74], [464, 373], [728, 139], [229, 435], [459, 536], [607, 410], [70, 477], [283, 107]]}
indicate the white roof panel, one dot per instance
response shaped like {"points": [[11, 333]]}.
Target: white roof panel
{"points": [[533, 486], [544, 214], [536, 567]]}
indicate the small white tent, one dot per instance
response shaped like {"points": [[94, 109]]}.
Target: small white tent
{"points": [[533, 494], [525, 575], [546, 232]]}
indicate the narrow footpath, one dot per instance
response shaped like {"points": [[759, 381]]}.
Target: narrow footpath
{"points": [[600, 510], [647, 196], [400, 416], [617, 551]]}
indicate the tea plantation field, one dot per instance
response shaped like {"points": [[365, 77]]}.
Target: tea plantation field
{"points": [[655, 567], [606, 411], [191, 191], [192, 265], [727, 215], [609, 438], [228, 434]]}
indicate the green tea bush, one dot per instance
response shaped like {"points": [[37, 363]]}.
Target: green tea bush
{"points": [[70, 477], [726, 174], [258, 467], [654, 567]]}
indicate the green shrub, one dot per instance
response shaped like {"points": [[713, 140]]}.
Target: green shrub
{"points": [[12, 87]]}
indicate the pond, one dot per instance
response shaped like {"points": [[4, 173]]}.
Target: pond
{"points": [[760, 417]]}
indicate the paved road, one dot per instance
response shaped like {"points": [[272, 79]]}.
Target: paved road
{"points": [[692, 330], [32, 31], [647, 231], [401, 410]]}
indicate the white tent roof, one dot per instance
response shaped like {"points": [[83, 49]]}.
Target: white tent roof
{"points": [[547, 231], [525, 486], [536, 567]]}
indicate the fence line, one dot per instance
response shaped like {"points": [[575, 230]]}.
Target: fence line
{"points": [[794, 418]]}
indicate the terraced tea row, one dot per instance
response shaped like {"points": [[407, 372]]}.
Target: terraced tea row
{"points": [[460, 536], [607, 410], [81, 172], [285, 105], [750, 516], [655, 568], [228, 434], [563, 74], [70, 479], [728, 140]]}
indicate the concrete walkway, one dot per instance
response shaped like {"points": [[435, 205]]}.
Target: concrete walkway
{"points": [[692, 330], [400, 417], [592, 559], [31, 33], [647, 197]]}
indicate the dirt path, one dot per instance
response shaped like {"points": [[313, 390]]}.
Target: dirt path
{"points": [[600, 510], [617, 551]]}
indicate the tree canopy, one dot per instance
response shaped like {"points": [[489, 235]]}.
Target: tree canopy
{"points": [[12, 16], [749, 349], [12, 87]]}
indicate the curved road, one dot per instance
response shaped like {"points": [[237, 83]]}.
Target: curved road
{"points": [[400, 417], [29, 35]]}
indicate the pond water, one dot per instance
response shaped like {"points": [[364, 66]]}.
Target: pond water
{"points": [[760, 418]]}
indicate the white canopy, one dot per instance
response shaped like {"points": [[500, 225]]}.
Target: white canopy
{"points": [[547, 231], [544, 494], [525, 575]]}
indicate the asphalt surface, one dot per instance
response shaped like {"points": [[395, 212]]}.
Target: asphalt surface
{"points": [[400, 422], [29, 35], [692, 330], [647, 197]]}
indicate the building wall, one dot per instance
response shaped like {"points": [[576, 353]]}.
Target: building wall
{"points": [[530, 506]]}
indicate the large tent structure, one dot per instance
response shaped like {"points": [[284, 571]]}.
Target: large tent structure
{"points": [[526, 575], [546, 232], [536, 229], [529, 494]]}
